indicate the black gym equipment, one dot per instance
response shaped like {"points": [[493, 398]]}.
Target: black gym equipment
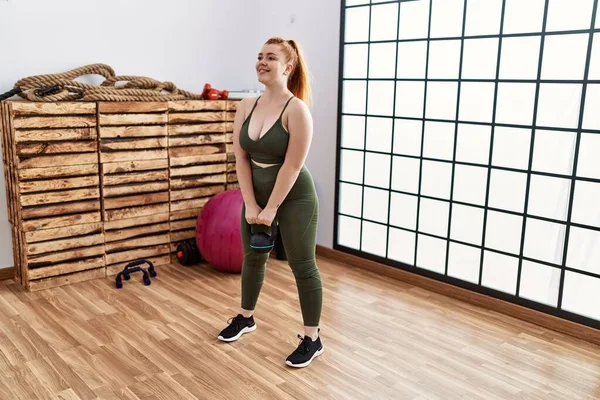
{"points": [[187, 253], [263, 242], [134, 266]]}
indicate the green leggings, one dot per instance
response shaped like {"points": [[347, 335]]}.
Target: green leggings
{"points": [[297, 219]]}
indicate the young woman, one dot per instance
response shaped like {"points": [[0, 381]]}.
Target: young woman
{"points": [[272, 136]]}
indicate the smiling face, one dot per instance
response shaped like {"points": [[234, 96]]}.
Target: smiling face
{"points": [[272, 65]]}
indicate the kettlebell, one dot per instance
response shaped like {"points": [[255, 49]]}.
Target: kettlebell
{"points": [[262, 242]]}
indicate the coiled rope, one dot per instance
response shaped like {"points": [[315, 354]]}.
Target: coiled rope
{"points": [[64, 87]]}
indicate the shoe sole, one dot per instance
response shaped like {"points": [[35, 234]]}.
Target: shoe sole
{"points": [[247, 329], [306, 364]]}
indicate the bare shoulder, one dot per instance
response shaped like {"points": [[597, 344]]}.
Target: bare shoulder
{"points": [[246, 102], [299, 119], [298, 110], [244, 106]]}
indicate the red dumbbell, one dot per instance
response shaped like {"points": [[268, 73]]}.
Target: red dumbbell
{"points": [[213, 94]]}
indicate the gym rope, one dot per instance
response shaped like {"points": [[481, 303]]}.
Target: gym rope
{"points": [[64, 87]]}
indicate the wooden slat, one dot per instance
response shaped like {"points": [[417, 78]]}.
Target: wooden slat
{"points": [[232, 105], [198, 170], [136, 254], [230, 116], [185, 214], [233, 186], [231, 167], [217, 127], [132, 119], [183, 224], [136, 243], [54, 246], [197, 105], [59, 184], [65, 268], [54, 122], [132, 131], [202, 159], [58, 172], [231, 178], [135, 200], [197, 181], [69, 279], [202, 191], [133, 144], [135, 177], [126, 233], [43, 135], [67, 255], [178, 117], [57, 222], [57, 108], [111, 191], [196, 150], [182, 235], [151, 219], [63, 232], [196, 140], [132, 107], [229, 138], [134, 165], [60, 197], [30, 149], [133, 155], [59, 160], [188, 204], [60, 209], [134, 212]]}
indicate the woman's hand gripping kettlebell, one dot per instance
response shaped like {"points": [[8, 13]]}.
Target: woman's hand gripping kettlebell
{"points": [[266, 216], [252, 212]]}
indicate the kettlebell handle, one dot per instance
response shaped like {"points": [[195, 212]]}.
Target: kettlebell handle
{"points": [[273, 228]]}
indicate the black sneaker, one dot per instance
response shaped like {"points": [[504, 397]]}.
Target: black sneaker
{"points": [[238, 325], [307, 351]]}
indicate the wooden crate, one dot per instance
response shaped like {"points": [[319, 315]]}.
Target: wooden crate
{"points": [[135, 182], [92, 186], [50, 155], [197, 161], [232, 182]]}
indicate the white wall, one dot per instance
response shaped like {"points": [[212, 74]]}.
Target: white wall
{"points": [[319, 36], [185, 42]]}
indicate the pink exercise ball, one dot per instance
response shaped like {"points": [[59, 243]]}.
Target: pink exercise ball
{"points": [[218, 231]]}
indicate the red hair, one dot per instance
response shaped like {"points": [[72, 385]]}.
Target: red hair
{"points": [[298, 82]]}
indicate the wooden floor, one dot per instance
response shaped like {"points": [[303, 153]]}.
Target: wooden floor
{"points": [[383, 340]]}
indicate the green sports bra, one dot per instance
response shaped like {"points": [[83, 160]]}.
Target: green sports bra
{"points": [[271, 147]]}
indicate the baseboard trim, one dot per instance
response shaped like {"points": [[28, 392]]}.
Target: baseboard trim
{"points": [[557, 324], [7, 273]]}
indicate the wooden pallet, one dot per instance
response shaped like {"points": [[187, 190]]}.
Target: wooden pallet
{"points": [[197, 161], [50, 156], [92, 186], [232, 182], [135, 182]]}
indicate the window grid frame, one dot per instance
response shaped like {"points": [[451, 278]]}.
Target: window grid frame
{"points": [[572, 177]]}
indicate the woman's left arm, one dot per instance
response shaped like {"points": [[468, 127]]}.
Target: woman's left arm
{"points": [[300, 128]]}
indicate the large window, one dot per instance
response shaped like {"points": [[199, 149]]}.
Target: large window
{"points": [[469, 146]]}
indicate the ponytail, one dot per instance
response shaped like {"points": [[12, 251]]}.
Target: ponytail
{"points": [[298, 82]]}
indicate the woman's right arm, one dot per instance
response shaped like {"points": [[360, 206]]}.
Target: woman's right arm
{"points": [[242, 160]]}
